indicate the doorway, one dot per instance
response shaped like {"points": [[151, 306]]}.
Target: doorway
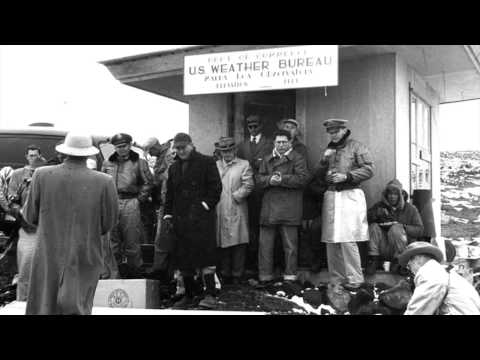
{"points": [[271, 106]]}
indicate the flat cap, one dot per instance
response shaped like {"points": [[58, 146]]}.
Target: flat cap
{"points": [[181, 139], [121, 138], [253, 119], [225, 143], [335, 123], [291, 121]]}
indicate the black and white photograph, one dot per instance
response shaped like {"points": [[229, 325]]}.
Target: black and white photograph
{"points": [[239, 179]]}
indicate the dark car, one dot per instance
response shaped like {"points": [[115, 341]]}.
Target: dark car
{"points": [[14, 142]]}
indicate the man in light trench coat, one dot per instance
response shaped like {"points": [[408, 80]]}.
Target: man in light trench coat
{"points": [[72, 208], [232, 211]]}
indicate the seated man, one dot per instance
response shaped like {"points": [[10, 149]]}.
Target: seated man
{"points": [[393, 224]]}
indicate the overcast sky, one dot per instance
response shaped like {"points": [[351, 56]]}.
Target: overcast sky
{"points": [[65, 85], [460, 126]]}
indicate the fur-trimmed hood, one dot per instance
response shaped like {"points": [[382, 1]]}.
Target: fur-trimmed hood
{"points": [[397, 186]]}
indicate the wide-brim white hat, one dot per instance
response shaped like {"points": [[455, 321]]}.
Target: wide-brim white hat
{"points": [[77, 144]]}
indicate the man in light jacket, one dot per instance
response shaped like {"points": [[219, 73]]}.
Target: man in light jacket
{"points": [[232, 210], [437, 290]]}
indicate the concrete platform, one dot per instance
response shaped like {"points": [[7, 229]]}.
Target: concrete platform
{"points": [[18, 308]]}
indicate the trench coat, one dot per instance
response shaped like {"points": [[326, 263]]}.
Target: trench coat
{"points": [[72, 207], [232, 210], [193, 225], [283, 204], [432, 283]]}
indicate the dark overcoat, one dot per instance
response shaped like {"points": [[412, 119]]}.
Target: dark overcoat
{"points": [[73, 207], [193, 225]]}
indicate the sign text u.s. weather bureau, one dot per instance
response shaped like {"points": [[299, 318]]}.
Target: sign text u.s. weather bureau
{"points": [[259, 70]]}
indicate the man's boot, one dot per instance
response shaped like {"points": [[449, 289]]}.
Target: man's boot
{"points": [[372, 264], [186, 301], [210, 300]]}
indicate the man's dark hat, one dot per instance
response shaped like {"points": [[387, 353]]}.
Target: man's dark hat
{"points": [[335, 123], [253, 119], [181, 139], [225, 143], [121, 138]]}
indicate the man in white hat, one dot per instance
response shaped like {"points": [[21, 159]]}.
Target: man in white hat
{"points": [[72, 208], [437, 290]]}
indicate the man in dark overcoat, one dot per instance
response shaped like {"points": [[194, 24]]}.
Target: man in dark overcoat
{"points": [[193, 191], [72, 207]]}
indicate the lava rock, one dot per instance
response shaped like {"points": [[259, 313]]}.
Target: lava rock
{"points": [[315, 297]]}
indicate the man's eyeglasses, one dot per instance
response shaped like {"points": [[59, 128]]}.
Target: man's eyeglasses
{"points": [[253, 127]]}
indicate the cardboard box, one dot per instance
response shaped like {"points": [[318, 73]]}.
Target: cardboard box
{"points": [[135, 293]]}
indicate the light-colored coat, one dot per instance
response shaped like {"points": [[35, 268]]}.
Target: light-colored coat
{"points": [[232, 210], [73, 207], [431, 284]]}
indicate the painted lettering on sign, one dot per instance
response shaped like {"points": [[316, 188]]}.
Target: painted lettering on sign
{"points": [[283, 68]]}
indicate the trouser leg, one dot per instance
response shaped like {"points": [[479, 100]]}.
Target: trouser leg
{"points": [[397, 239], [289, 236], [25, 251], [352, 263], [110, 264], [265, 253], [344, 264], [226, 261], [132, 232], [238, 260], [376, 237]]}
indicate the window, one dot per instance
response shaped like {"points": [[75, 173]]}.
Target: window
{"points": [[420, 144]]}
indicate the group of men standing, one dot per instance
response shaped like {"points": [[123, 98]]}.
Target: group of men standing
{"points": [[221, 212]]}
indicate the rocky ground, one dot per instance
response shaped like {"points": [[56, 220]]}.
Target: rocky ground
{"points": [[460, 185]]}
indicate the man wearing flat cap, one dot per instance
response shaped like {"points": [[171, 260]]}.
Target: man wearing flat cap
{"points": [[72, 207], [232, 210], [254, 149], [133, 181], [345, 164], [293, 127], [438, 291], [193, 191]]}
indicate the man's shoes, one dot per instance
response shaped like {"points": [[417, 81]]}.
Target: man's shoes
{"points": [[372, 265], [184, 303], [208, 302]]}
